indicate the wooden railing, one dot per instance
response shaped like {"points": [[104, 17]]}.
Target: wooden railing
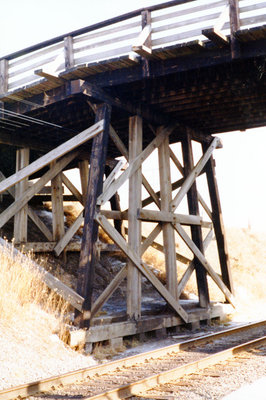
{"points": [[135, 34]]}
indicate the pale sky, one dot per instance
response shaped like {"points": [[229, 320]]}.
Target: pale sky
{"points": [[241, 164]]}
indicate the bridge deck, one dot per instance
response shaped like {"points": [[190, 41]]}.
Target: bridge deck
{"points": [[199, 62]]}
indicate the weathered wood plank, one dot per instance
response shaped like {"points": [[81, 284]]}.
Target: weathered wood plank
{"points": [[84, 177], [196, 232], [142, 267], [21, 217], [228, 295], [216, 37], [190, 179], [168, 230], [3, 76], [40, 224], [122, 148], [108, 291], [187, 274], [134, 165], [24, 199], [53, 155], [134, 225], [176, 162], [31, 213], [165, 216], [204, 205], [68, 52], [217, 218], [57, 207], [90, 230], [148, 241], [72, 188], [65, 239]]}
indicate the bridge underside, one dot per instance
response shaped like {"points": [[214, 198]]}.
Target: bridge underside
{"points": [[178, 95]]}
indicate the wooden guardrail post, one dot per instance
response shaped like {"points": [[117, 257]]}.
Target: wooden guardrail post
{"points": [[234, 26], [68, 52], [3, 81], [69, 57]]}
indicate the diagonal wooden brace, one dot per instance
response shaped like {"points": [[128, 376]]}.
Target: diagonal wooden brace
{"points": [[204, 263], [142, 267], [24, 199], [113, 188], [188, 182], [123, 150], [53, 155]]}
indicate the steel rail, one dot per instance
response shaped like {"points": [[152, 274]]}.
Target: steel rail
{"points": [[45, 385], [141, 386]]}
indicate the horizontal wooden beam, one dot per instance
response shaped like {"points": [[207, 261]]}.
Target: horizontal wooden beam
{"points": [[49, 76], [216, 37], [163, 216]]}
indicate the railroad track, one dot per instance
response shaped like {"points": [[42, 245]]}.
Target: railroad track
{"points": [[137, 374]]}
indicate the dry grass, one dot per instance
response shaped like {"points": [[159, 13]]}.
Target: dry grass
{"points": [[104, 351], [24, 298], [248, 265]]}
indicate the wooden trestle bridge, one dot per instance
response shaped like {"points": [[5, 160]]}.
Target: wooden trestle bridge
{"points": [[175, 72]]}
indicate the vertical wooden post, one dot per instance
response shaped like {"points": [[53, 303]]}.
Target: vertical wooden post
{"points": [[68, 52], [69, 58], [84, 176], [90, 230], [21, 218], [168, 231], [57, 207], [134, 225], [3, 76], [3, 81], [196, 233], [234, 26], [146, 20], [218, 224]]}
